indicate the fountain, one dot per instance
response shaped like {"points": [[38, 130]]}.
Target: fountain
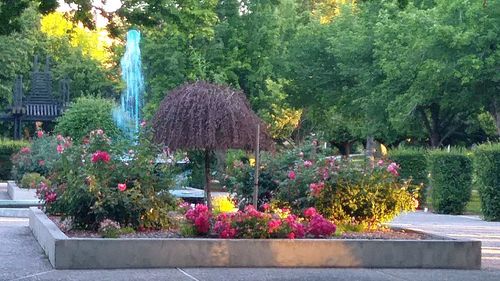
{"points": [[127, 116]]}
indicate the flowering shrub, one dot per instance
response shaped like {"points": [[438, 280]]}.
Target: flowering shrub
{"points": [[199, 216], [252, 223], [109, 228], [42, 157], [222, 204], [359, 193], [32, 180], [100, 179]]}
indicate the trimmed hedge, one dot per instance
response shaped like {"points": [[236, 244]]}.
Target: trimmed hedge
{"points": [[413, 165], [487, 170], [7, 148], [451, 181]]}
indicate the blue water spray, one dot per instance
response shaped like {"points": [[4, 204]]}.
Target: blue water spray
{"points": [[128, 115]]}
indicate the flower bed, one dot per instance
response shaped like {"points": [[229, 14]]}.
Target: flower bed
{"points": [[94, 253]]}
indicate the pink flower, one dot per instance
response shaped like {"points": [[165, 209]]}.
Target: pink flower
{"points": [[393, 169], [273, 225], [60, 149], [291, 235], [39, 134], [307, 163], [25, 150], [50, 197], [316, 188], [380, 162], [266, 207], [291, 175], [309, 212], [100, 156], [99, 132], [301, 154], [320, 227], [60, 138], [42, 186], [122, 186], [143, 123], [41, 162]]}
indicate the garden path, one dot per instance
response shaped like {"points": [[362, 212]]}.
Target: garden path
{"points": [[468, 227]]}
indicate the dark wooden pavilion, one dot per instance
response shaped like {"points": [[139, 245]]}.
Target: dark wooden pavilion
{"points": [[40, 104]]}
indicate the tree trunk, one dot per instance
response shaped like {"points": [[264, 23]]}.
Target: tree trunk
{"points": [[208, 196], [496, 114], [435, 126]]}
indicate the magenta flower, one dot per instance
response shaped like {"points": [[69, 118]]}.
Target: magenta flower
{"points": [[50, 197], [291, 175], [122, 186]]}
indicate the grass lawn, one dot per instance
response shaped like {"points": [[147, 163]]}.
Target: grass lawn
{"points": [[472, 208], [474, 205]]}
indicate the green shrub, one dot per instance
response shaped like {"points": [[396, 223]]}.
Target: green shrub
{"points": [[87, 114], [32, 180], [413, 166], [40, 157], [362, 198], [487, 169], [451, 181], [7, 149]]}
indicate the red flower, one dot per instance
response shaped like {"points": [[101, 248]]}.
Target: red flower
{"points": [[122, 186], [100, 156], [291, 175], [291, 235], [39, 134]]}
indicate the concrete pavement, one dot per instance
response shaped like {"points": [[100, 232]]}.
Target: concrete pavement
{"points": [[468, 227], [23, 259]]}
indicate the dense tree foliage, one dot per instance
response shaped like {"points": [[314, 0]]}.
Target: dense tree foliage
{"points": [[422, 71]]}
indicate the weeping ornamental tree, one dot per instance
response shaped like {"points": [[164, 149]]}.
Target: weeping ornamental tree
{"points": [[208, 117]]}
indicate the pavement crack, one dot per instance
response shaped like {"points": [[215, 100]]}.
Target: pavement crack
{"points": [[32, 275], [188, 275]]}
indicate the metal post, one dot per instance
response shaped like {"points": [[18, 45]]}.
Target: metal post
{"points": [[257, 165]]}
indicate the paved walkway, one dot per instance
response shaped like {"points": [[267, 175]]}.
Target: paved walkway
{"points": [[22, 258], [468, 227]]}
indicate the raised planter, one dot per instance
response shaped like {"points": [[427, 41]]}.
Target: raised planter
{"points": [[91, 253], [17, 193]]}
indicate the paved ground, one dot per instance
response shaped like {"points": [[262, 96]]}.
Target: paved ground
{"points": [[469, 227], [3, 191], [21, 258]]}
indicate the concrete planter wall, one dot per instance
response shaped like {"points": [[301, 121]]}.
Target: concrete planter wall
{"points": [[17, 193], [78, 253]]}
